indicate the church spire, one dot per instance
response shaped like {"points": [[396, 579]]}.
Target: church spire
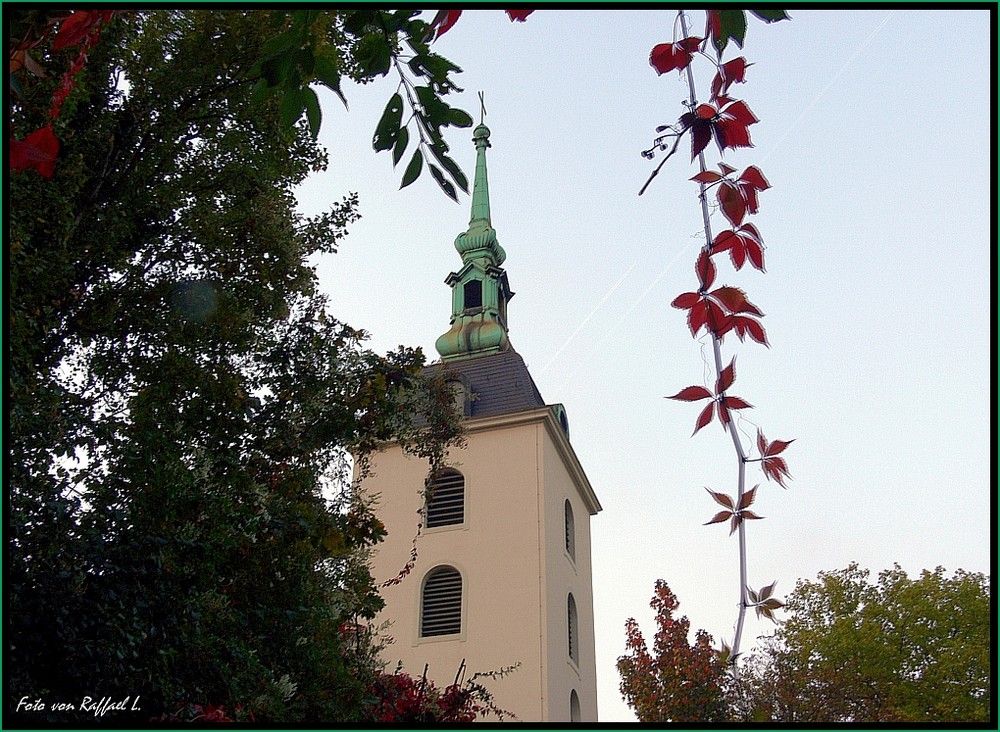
{"points": [[479, 289]]}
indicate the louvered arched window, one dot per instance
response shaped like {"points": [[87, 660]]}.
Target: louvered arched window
{"points": [[446, 499], [570, 531], [441, 603], [574, 707], [572, 629]]}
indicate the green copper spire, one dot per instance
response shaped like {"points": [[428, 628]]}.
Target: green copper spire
{"points": [[481, 234], [479, 289]]}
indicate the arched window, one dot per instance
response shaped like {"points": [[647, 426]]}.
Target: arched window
{"points": [[446, 499], [574, 707], [572, 629], [441, 603], [570, 531], [473, 294]]}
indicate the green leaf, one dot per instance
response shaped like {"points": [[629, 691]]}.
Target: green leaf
{"points": [[459, 118], [275, 69], [402, 140], [451, 166], [388, 126], [305, 59], [281, 43], [293, 102], [732, 24], [443, 182], [412, 171], [327, 74], [374, 55], [769, 15], [313, 113]]}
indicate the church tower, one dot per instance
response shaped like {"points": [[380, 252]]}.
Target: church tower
{"points": [[503, 573]]}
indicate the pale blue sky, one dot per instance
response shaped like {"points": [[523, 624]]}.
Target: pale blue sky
{"points": [[875, 135]]}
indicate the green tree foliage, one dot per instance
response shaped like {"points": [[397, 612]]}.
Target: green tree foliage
{"points": [[676, 681], [181, 405], [898, 650]]}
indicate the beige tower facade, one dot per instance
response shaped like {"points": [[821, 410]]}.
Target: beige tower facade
{"points": [[502, 576]]}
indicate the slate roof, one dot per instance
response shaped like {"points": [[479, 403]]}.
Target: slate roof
{"points": [[498, 383]]}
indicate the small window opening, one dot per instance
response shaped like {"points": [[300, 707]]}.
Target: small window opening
{"points": [[473, 294], [570, 531], [446, 499], [441, 608], [572, 631]]}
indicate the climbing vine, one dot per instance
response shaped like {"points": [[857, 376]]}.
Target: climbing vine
{"points": [[715, 311]]}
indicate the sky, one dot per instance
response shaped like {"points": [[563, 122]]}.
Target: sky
{"points": [[875, 134]]}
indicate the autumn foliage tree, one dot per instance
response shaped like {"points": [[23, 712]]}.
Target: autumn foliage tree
{"points": [[674, 681]]}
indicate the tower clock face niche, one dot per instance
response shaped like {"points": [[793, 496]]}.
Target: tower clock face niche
{"points": [[502, 575]]}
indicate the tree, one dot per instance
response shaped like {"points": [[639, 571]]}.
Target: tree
{"points": [[899, 650], [182, 406], [678, 681]]}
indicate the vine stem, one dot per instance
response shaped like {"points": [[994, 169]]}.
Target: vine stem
{"points": [[717, 353]]}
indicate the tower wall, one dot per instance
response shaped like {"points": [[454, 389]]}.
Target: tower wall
{"points": [[511, 553]]}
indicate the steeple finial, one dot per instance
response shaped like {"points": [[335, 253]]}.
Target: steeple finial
{"points": [[480, 234], [479, 289]]}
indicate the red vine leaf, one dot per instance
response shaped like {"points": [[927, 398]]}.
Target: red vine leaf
{"points": [[705, 269], [719, 518], [518, 15], [38, 151], [731, 126], [775, 468], [735, 300], [725, 403], [444, 20], [732, 203], [707, 176], [754, 178], [747, 499], [727, 377], [670, 56], [745, 326], [692, 394], [77, 26], [704, 418], [722, 499], [731, 72], [686, 300], [733, 402]]}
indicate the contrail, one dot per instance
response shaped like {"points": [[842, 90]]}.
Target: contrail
{"points": [[830, 83], [587, 319], [633, 306], [641, 297]]}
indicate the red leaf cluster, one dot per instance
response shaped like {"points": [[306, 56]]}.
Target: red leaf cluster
{"points": [[736, 512], [775, 468], [727, 121], [742, 244], [670, 56], [720, 310], [675, 680], [400, 697], [78, 27], [763, 603], [721, 402], [445, 19], [38, 151]]}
